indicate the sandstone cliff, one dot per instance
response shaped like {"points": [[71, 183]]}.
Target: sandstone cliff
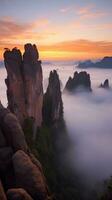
{"points": [[24, 84]]}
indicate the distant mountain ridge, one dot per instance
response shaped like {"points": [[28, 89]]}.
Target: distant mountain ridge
{"points": [[106, 62]]}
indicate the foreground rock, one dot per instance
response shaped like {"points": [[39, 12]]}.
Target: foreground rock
{"points": [[53, 105], [32, 182], [2, 193], [18, 194], [80, 82], [18, 167], [12, 130], [24, 83]]}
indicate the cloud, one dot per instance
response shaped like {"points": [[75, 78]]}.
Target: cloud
{"points": [[11, 30], [66, 9], [90, 129], [81, 46], [90, 11]]}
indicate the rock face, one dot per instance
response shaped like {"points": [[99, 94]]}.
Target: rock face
{"points": [[105, 84], [18, 167], [24, 83], [53, 106], [18, 194], [80, 82], [12, 130], [2, 193], [33, 181]]}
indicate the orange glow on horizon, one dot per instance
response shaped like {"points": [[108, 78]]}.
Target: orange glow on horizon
{"points": [[70, 50]]}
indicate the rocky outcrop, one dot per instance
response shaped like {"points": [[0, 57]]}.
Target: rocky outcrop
{"points": [[105, 84], [80, 82], [14, 83], [18, 167], [53, 105], [33, 181], [24, 83], [18, 194], [12, 130]]}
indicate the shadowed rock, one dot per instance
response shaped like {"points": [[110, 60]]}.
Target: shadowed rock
{"points": [[5, 158], [80, 82], [105, 84], [53, 106], [24, 83], [12, 130], [18, 167], [2, 193], [2, 140], [32, 182], [33, 87], [18, 194]]}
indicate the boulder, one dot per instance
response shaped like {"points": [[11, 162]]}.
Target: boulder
{"points": [[18, 194], [28, 176], [2, 193], [12, 130]]}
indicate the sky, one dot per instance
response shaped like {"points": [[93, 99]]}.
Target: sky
{"points": [[61, 29]]}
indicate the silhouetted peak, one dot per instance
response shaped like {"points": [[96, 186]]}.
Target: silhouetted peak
{"points": [[80, 80], [105, 84], [54, 79], [53, 106]]}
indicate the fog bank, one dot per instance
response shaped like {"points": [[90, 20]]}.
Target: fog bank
{"points": [[89, 122]]}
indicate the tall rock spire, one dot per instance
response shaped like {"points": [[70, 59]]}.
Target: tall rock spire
{"points": [[14, 82], [24, 83], [53, 105]]}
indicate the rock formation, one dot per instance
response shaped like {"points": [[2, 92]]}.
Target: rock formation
{"points": [[20, 172], [105, 84], [2, 193], [18, 194], [53, 106], [24, 83], [80, 82]]}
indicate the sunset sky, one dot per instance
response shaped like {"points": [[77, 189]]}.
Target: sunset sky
{"points": [[62, 29]]}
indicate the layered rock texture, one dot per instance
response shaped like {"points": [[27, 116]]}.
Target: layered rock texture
{"points": [[24, 83], [80, 82], [53, 106], [21, 173]]}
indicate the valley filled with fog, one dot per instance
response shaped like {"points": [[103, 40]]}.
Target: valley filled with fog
{"points": [[88, 118]]}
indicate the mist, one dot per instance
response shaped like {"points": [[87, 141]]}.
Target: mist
{"points": [[88, 117], [89, 121]]}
